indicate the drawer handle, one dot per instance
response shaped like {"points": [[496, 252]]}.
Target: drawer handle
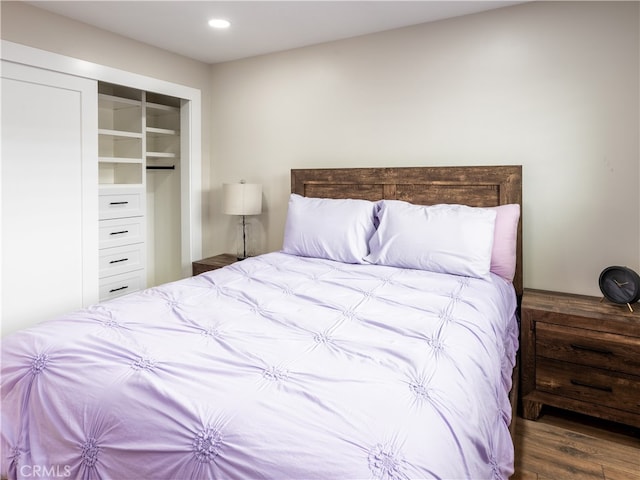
{"points": [[588, 385], [118, 261], [602, 351], [118, 203], [118, 289], [119, 233]]}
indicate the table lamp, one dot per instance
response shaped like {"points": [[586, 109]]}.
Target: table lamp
{"points": [[242, 199]]}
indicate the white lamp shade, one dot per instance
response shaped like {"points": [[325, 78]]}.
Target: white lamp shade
{"points": [[242, 198]]}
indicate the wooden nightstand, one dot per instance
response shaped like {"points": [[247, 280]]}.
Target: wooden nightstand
{"points": [[580, 354], [212, 263]]}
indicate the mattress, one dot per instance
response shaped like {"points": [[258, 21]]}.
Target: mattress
{"points": [[276, 367]]}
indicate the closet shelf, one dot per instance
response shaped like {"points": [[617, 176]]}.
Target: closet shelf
{"points": [[119, 160], [116, 103], [161, 155], [161, 131], [119, 133], [158, 108]]}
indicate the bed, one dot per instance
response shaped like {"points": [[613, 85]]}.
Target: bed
{"points": [[290, 365]]}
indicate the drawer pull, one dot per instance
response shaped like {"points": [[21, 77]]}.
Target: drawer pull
{"points": [[591, 349], [118, 261], [118, 289], [118, 203], [119, 233], [588, 385]]}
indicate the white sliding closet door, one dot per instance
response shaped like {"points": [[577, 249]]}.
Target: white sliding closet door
{"points": [[49, 194]]}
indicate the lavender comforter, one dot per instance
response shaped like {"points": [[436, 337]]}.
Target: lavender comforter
{"points": [[277, 367]]}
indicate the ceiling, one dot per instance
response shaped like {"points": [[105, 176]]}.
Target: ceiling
{"points": [[257, 27]]}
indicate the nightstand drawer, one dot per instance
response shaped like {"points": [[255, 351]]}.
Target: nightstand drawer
{"points": [[588, 347], [587, 384]]}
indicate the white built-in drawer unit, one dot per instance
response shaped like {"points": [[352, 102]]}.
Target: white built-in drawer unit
{"points": [[121, 231], [122, 235], [121, 202], [118, 285], [116, 260]]}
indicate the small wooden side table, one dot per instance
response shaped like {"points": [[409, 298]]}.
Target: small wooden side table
{"points": [[213, 263], [580, 354]]}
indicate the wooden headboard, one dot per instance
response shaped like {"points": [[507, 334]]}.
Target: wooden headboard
{"points": [[477, 186]]}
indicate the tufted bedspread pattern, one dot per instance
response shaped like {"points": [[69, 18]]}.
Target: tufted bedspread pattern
{"points": [[277, 367]]}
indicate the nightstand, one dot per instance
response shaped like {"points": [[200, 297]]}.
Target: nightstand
{"points": [[580, 354], [213, 263]]}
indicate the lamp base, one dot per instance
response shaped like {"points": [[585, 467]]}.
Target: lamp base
{"points": [[245, 242]]}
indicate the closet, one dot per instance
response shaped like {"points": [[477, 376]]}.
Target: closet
{"points": [[101, 187], [139, 179]]}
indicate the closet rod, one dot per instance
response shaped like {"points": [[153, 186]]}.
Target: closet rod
{"points": [[161, 167]]}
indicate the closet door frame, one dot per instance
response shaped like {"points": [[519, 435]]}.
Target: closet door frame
{"points": [[191, 112]]}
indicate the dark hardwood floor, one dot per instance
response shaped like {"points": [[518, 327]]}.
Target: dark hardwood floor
{"points": [[566, 446]]}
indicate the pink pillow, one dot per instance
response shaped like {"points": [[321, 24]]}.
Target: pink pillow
{"points": [[505, 235]]}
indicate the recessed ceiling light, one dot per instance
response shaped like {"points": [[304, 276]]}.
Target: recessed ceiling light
{"points": [[219, 23]]}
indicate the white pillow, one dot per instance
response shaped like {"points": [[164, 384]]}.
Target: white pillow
{"points": [[443, 238], [329, 228]]}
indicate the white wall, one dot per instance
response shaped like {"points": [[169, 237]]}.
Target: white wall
{"points": [[549, 85]]}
